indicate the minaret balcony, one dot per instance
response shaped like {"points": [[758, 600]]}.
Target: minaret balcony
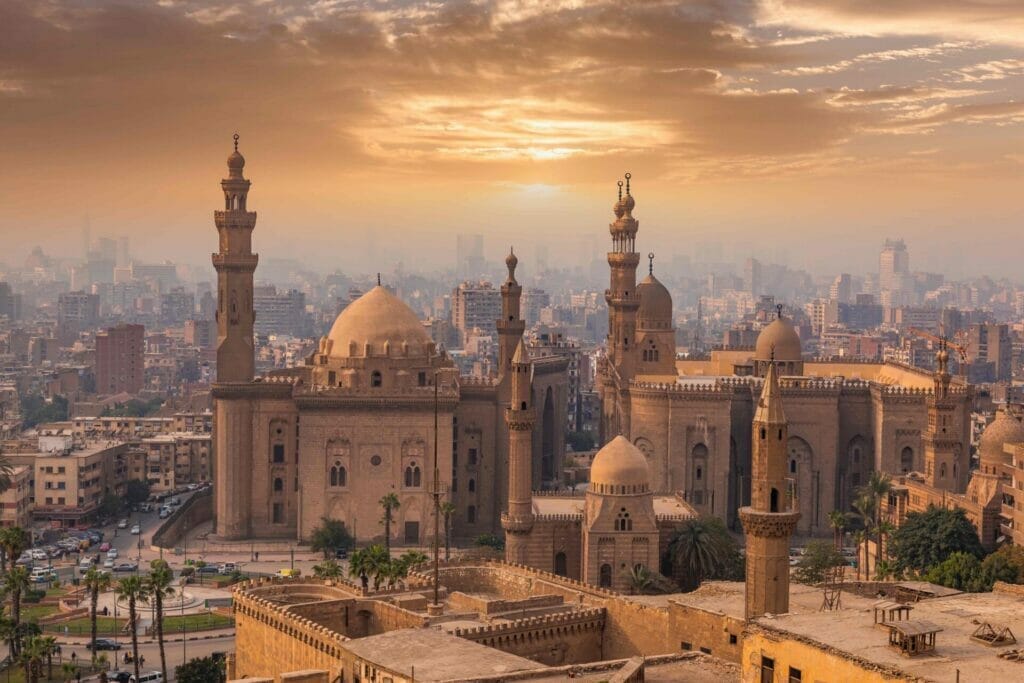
{"points": [[516, 524], [235, 261], [765, 524]]}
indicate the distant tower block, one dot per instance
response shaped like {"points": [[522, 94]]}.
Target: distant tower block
{"points": [[770, 519]]}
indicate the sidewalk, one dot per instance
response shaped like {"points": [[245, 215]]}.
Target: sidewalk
{"points": [[126, 640]]}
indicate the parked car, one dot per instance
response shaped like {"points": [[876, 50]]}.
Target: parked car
{"points": [[174, 501], [146, 507], [192, 487], [39, 555], [104, 644], [112, 553], [227, 568], [148, 677], [165, 512], [104, 547], [41, 574], [289, 573], [119, 677], [108, 563], [208, 569], [122, 524], [126, 567], [136, 529], [85, 565]]}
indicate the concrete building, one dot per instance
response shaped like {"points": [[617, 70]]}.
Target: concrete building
{"points": [[280, 312], [475, 306], [366, 400], [990, 346], [16, 500], [120, 368], [10, 303], [894, 279], [76, 312]]}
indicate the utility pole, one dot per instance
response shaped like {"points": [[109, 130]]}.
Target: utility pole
{"points": [[437, 502]]}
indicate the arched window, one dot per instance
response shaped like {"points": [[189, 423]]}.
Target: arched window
{"points": [[623, 522], [763, 433], [472, 485], [561, 564], [375, 378], [774, 505], [471, 514], [907, 459], [700, 473], [605, 580], [338, 474], [942, 471], [792, 465], [278, 485], [412, 475]]}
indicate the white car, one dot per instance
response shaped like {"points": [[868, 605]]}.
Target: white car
{"points": [[39, 555], [123, 524], [108, 563], [112, 554], [136, 529]]}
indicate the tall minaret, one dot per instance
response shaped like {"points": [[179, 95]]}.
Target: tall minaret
{"points": [[518, 521], [773, 512], [621, 296], [942, 443], [233, 418], [511, 325], [235, 264]]}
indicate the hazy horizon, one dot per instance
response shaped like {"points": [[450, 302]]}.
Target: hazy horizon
{"points": [[378, 131]]}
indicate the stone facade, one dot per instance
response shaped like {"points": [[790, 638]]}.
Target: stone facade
{"points": [[357, 421]]}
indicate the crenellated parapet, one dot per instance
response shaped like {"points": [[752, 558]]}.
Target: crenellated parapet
{"points": [[546, 626]]}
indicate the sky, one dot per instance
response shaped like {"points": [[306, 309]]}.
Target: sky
{"points": [[375, 131]]}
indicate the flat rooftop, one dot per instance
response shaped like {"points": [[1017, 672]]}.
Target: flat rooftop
{"points": [[852, 631], [436, 656]]}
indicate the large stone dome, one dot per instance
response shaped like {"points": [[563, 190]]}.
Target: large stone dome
{"points": [[655, 304], [1006, 428], [781, 336], [384, 322], [619, 468]]}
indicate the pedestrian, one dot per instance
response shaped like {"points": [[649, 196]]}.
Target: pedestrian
{"points": [[78, 676], [257, 555], [74, 656], [65, 629], [142, 660]]}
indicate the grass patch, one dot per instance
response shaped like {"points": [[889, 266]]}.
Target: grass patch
{"points": [[37, 612], [196, 622], [105, 626]]}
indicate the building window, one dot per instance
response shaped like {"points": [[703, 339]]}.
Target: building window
{"points": [[561, 565], [376, 379], [792, 466], [278, 485], [422, 379], [732, 639], [338, 474], [472, 456], [278, 513], [471, 514], [278, 452], [623, 522], [472, 485], [375, 460], [767, 669], [605, 578], [412, 476], [795, 676]]}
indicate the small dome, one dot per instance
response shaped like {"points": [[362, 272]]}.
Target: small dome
{"points": [[628, 203], [783, 338], [511, 261], [378, 318], [236, 162], [655, 303], [1006, 428], [619, 463]]}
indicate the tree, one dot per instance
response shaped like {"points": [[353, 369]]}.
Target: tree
{"points": [[359, 565], [378, 561], [95, 582], [819, 557], [18, 581], [390, 503], [136, 491], [200, 670], [489, 541], [1005, 564], [961, 571], [131, 590], [448, 511], [32, 656], [156, 587], [411, 558], [111, 505], [328, 569], [36, 410], [838, 520], [579, 441], [13, 542], [639, 579], [6, 471], [330, 537], [875, 491], [701, 548], [858, 540], [49, 647], [927, 538]]}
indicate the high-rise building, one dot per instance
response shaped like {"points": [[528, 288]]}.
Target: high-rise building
{"points": [[280, 312], [534, 300], [10, 303], [176, 306], [475, 305], [842, 288], [120, 366], [201, 333], [752, 277], [990, 348], [76, 311], [894, 279], [469, 256]]}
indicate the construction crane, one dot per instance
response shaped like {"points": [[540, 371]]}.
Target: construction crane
{"points": [[943, 343]]}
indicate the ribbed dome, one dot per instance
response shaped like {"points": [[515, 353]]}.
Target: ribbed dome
{"points": [[619, 464], [376, 318], [1006, 428], [655, 303], [783, 337]]}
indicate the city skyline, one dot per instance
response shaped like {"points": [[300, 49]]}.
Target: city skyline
{"points": [[749, 124]]}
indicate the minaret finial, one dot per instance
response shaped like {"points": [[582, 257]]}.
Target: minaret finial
{"points": [[236, 141], [378, 279], [650, 263], [778, 311], [620, 190], [628, 176]]}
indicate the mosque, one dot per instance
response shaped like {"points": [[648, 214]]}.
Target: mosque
{"points": [[361, 417]]}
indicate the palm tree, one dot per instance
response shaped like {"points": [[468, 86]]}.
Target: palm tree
{"points": [[699, 547], [95, 582], [328, 569], [68, 669], [13, 542], [885, 528], [157, 586], [390, 503], [878, 487], [837, 520], [49, 644], [858, 539], [359, 565], [378, 563], [130, 590], [6, 472], [639, 578], [32, 656], [411, 558], [18, 581], [448, 510]]}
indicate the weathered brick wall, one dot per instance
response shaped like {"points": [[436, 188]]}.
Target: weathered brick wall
{"points": [[554, 639], [476, 603]]}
